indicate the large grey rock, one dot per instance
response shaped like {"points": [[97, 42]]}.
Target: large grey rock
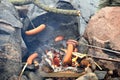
{"points": [[14, 77], [9, 14], [10, 41], [88, 76], [33, 76]]}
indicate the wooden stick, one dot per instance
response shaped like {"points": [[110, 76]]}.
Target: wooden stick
{"points": [[19, 78], [46, 8], [29, 62]]}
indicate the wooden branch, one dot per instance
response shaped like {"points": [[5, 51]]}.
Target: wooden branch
{"points": [[55, 10], [46, 8], [62, 74]]}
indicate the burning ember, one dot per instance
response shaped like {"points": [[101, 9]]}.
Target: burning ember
{"points": [[57, 60], [64, 62]]}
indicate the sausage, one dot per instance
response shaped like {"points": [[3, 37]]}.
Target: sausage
{"points": [[29, 62], [59, 38], [68, 55], [36, 30], [31, 58], [70, 48], [74, 42]]}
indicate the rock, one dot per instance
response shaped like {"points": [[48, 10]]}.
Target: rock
{"points": [[116, 78], [33, 76], [10, 41], [24, 77], [88, 76], [83, 48], [100, 74], [9, 14], [87, 9], [103, 30], [14, 77], [104, 26]]}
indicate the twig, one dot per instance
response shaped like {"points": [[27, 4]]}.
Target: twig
{"points": [[100, 48], [107, 59], [97, 65], [31, 22]]}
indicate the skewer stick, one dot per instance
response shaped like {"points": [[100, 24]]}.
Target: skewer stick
{"points": [[29, 62], [19, 78]]}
